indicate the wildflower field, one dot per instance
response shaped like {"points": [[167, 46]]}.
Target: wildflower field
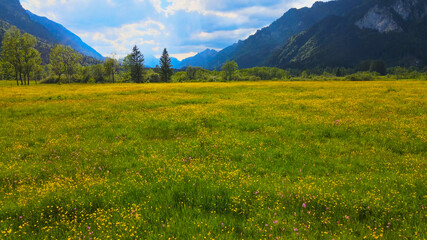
{"points": [[241, 160]]}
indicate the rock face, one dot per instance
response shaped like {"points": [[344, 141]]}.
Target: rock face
{"points": [[380, 19], [404, 7], [385, 18]]}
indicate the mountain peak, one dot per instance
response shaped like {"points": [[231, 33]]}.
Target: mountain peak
{"points": [[209, 51]]}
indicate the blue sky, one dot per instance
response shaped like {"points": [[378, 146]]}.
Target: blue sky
{"points": [[185, 27]]}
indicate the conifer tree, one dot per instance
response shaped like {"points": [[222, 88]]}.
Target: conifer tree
{"points": [[165, 67], [134, 64]]}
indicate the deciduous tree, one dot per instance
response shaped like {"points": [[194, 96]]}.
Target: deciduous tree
{"points": [[111, 67], [11, 52], [31, 59], [64, 60], [229, 68], [19, 52]]}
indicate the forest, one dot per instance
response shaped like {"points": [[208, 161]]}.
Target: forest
{"points": [[21, 61]]}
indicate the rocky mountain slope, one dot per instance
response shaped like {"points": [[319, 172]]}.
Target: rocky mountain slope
{"points": [[392, 31]]}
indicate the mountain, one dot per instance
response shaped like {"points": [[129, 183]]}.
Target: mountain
{"points": [[176, 64], [48, 33], [255, 50], [65, 37], [200, 60], [151, 61], [13, 13], [394, 31]]}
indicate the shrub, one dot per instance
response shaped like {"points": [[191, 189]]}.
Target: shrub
{"points": [[361, 76]]}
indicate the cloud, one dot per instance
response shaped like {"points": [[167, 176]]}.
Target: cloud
{"points": [[231, 34], [122, 38], [182, 56], [182, 26]]}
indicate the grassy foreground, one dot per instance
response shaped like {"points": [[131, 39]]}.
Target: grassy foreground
{"points": [[260, 160]]}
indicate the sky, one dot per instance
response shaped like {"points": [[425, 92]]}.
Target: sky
{"points": [[184, 27]]}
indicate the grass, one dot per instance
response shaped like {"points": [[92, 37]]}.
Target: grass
{"points": [[259, 160]]}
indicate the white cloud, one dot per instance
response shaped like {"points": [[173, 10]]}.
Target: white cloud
{"points": [[181, 56], [123, 38], [231, 34]]}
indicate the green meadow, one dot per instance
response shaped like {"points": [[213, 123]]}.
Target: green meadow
{"points": [[239, 160]]}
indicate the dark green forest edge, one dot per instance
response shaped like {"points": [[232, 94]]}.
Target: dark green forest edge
{"points": [[358, 40]]}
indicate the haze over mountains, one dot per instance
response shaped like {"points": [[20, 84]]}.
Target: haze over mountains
{"points": [[338, 33]]}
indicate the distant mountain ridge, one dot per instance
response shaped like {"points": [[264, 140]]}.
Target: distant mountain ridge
{"points": [[151, 61], [199, 60], [46, 31]]}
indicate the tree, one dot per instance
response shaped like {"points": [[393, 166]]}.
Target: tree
{"points": [[31, 59], [134, 64], [98, 73], [364, 66], [305, 75], [64, 60], [6, 71], [111, 67], [229, 68], [339, 72], [11, 52], [191, 72], [57, 64], [84, 74], [165, 67], [379, 67], [20, 53]]}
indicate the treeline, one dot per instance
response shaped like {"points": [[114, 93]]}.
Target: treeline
{"points": [[21, 61]]}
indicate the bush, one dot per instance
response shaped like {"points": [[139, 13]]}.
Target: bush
{"points": [[49, 80], [361, 76], [180, 77]]}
